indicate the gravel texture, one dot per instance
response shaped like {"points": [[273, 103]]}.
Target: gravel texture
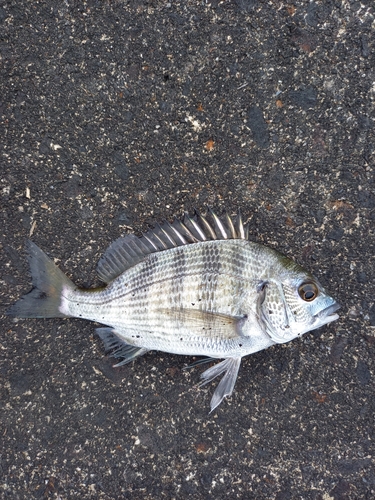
{"points": [[117, 114]]}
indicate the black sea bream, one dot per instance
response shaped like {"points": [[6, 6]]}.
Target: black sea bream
{"points": [[194, 287]]}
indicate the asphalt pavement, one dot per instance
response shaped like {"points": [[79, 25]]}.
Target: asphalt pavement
{"points": [[115, 115]]}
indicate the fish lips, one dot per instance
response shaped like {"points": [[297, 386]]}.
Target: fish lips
{"points": [[328, 314]]}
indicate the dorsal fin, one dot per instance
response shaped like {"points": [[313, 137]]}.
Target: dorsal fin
{"points": [[129, 250]]}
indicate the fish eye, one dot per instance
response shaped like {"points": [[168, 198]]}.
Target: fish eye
{"points": [[308, 291]]}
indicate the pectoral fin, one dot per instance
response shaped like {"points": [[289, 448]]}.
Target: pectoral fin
{"points": [[229, 367], [206, 324]]}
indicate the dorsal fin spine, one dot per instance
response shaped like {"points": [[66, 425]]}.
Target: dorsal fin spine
{"points": [[239, 226], [230, 225], [167, 236], [184, 231], [218, 225], [160, 244], [150, 242], [206, 225], [194, 228], [179, 235]]}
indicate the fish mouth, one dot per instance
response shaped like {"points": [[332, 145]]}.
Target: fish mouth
{"points": [[328, 314]]}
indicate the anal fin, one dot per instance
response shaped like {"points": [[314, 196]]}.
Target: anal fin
{"points": [[229, 367], [118, 347]]}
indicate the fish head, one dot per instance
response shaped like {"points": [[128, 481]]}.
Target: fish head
{"points": [[295, 303]]}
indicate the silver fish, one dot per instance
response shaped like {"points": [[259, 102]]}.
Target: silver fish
{"points": [[196, 287]]}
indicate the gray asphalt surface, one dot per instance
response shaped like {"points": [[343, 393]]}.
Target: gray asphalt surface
{"points": [[117, 114]]}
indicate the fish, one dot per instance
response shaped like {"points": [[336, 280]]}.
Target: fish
{"points": [[196, 287]]}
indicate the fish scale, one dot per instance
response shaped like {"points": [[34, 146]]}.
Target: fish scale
{"points": [[193, 287]]}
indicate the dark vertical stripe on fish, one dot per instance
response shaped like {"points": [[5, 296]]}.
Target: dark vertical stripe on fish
{"points": [[237, 264], [144, 282], [178, 277], [210, 272]]}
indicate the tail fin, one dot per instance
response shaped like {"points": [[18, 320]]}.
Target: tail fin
{"points": [[44, 300]]}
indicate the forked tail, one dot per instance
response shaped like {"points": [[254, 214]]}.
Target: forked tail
{"points": [[44, 300]]}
